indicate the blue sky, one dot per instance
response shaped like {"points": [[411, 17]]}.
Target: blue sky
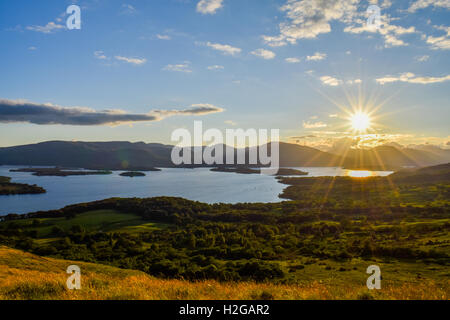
{"points": [[294, 65]]}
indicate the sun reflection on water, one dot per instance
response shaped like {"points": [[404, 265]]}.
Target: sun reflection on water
{"points": [[360, 173]]}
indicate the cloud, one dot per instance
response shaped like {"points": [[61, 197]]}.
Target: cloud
{"points": [[182, 67], [230, 122], [412, 78], [278, 41], [163, 37], [306, 19], [333, 115], [423, 58], [421, 4], [135, 61], [389, 31], [216, 67], [50, 27], [314, 125], [330, 81], [32, 48], [100, 55], [356, 81], [47, 114], [263, 53], [224, 48], [292, 60], [316, 57], [209, 6], [128, 9], [442, 42]]}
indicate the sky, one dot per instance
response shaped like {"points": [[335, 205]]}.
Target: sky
{"points": [[138, 70]]}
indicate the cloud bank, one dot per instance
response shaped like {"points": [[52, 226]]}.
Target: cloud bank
{"points": [[14, 111], [412, 78]]}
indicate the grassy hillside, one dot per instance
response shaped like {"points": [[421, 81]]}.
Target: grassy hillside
{"points": [[27, 276]]}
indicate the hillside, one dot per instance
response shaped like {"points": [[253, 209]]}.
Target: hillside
{"points": [[90, 155], [391, 157], [133, 156], [24, 276], [146, 156]]}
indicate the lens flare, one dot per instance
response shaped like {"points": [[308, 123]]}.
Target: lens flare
{"points": [[360, 121]]}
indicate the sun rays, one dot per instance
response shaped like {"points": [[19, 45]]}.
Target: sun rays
{"points": [[360, 121]]}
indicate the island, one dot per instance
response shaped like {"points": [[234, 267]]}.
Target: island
{"points": [[9, 188], [240, 170], [247, 170], [132, 174], [60, 172], [291, 172]]}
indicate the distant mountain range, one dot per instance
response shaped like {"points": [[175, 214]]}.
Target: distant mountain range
{"points": [[145, 156], [394, 157]]}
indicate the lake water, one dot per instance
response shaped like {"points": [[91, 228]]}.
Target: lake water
{"points": [[195, 184]]}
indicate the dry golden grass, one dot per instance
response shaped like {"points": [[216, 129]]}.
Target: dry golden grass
{"points": [[26, 276]]}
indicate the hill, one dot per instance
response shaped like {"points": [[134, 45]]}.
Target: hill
{"points": [[24, 276], [391, 157], [134, 156], [89, 155]]}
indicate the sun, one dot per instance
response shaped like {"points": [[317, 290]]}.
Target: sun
{"points": [[360, 121]]}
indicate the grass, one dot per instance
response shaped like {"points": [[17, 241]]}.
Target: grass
{"points": [[100, 220], [27, 276]]}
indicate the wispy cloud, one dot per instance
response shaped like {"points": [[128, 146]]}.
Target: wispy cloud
{"points": [[230, 122], [355, 81], [50, 27], [423, 58], [163, 37], [421, 4], [128, 9], [314, 125], [292, 60], [135, 61], [215, 67], [100, 55], [317, 56], [412, 78], [47, 114], [389, 31], [209, 6], [330, 81], [442, 42], [224, 48], [263, 53], [181, 67]]}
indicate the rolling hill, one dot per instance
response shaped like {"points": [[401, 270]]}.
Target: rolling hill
{"points": [[133, 156], [394, 157], [146, 156]]}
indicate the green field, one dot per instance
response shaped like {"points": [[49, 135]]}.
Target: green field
{"points": [[91, 221]]}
